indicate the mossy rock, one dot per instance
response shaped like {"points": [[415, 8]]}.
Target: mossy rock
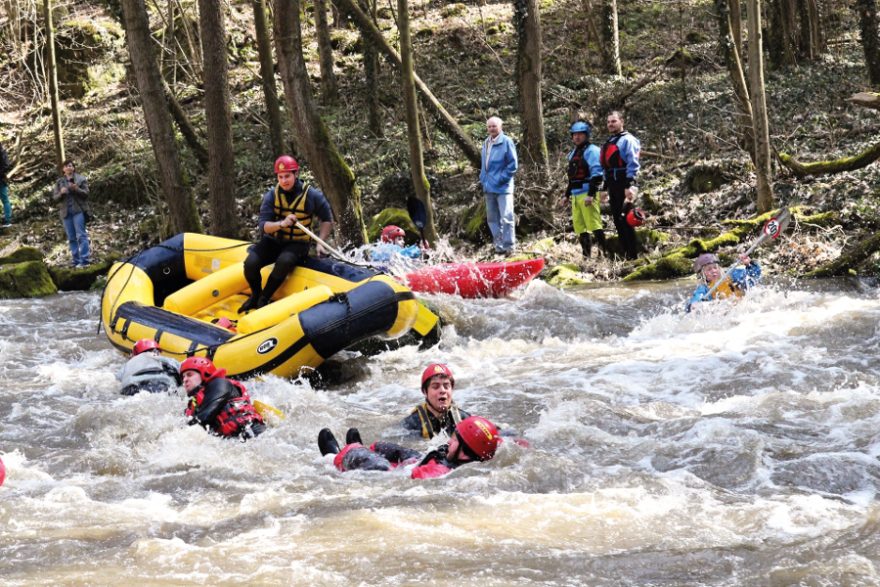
{"points": [[83, 48], [544, 245], [668, 267], [454, 9], [83, 279], [396, 216], [29, 279], [22, 255], [473, 222], [705, 177], [565, 275]]}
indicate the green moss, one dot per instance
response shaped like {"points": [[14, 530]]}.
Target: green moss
{"points": [[565, 275], [454, 9], [474, 219], [21, 255], [30, 279], [668, 267]]}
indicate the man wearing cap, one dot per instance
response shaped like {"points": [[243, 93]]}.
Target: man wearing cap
{"points": [[438, 412], [285, 209]]}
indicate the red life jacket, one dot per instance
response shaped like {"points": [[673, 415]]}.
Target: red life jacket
{"points": [[609, 155], [578, 170], [237, 413]]}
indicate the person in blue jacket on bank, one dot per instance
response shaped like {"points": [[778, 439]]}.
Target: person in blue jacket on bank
{"points": [[498, 165], [709, 271]]}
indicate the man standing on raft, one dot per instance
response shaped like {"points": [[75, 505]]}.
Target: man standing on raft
{"points": [[284, 208]]}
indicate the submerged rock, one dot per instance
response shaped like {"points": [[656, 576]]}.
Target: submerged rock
{"points": [[29, 279]]}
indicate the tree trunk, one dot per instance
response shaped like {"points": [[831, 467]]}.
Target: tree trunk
{"points": [[371, 74], [325, 53], [186, 128], [736, 27], [52, 74], [527, 21], [414, 131], [759, 107], [447, 124], [870, 31], [861, 252], [802, 169], [328, 166], [610, 38], [812, 37], [267, 75], [731, 56], [782, 32], [218, 119], [182, 208]]}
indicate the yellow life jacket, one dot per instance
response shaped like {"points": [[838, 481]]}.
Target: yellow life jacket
{"points": [[298, 207], [425, 419], [726, 289]]}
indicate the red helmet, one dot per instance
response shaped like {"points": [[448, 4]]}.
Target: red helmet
{"points": [[391, 233], [436, 369], [204, 366], [479, 437], [635, 217], [286, 163], [144, 344]]}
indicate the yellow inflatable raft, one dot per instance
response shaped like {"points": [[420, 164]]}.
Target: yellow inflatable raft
{"points": [[185, 292]]}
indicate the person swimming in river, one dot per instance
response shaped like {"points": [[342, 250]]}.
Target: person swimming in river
{"points": [[475, 439], [709, 272], [147, 370]]}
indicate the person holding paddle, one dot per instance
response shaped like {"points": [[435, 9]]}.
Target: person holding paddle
{"points": [[716, 286], [284, 211]]}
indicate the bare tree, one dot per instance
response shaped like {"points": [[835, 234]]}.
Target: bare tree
{"points": [[218, 119], [759, 107], [610, 38], [371, 74], [445, 120], [795, 33], [52, 74], [334, 175], [870, 30], [182, 208], [325, 52], [527, 21], [730, 53], [411, 103], [267, 75]]}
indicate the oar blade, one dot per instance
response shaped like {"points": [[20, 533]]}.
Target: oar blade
{"points": [[417, 212], [268, 412]]}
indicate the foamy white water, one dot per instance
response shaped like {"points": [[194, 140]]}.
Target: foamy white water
{"points": [[737, 445]]}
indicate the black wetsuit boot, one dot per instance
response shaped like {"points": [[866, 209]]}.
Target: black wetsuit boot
{"points": [[327, 442], [599, 235], [586, 247]]}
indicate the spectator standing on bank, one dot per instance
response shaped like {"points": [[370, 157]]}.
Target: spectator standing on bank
{"points": [[72, 196], [498, 165], [620, 161]]}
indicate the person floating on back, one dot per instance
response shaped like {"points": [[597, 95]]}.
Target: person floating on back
{"points": [[709, 272], [147, 370], [284, 209], [216, 403], [438, 413], [475, 439]]}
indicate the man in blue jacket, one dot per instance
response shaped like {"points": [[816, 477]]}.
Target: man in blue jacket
{"points": [[498, 164], [620, 160]]}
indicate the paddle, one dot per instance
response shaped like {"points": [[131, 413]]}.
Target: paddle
{"points": [[336, 252], [772, 229], [418, 215], [267, 411]]}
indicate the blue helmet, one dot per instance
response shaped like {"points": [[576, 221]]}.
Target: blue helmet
{"points": [[580, 126]]}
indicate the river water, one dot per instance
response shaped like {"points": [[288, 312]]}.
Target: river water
{"points": [[734, 446]]}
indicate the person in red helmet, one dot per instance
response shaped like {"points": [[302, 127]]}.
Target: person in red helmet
{"points": [[475, 439], [147, 370], [216, 403], [392, 249], [438, 412], [286, 207]]}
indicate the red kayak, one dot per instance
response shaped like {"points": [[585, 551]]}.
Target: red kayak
{"points": [[474, 280]]}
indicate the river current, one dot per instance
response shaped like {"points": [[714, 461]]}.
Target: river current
{"points": [[737, 445]]}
